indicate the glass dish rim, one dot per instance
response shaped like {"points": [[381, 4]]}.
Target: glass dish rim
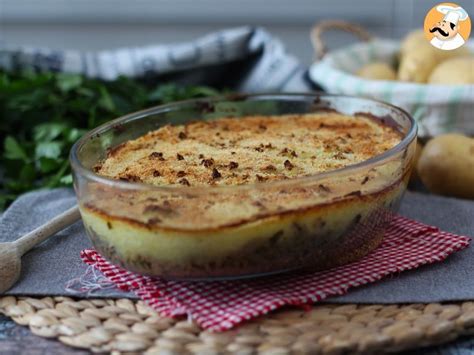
{"points": [[78, 168]]}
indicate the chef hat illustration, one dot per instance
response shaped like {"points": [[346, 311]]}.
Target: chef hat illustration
{"points": [[452, 14]]}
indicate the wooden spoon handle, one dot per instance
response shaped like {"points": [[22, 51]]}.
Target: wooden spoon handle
{"points": [[48, 229]]}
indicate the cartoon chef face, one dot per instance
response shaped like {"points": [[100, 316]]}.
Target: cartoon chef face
{"points": [[444, 30]]}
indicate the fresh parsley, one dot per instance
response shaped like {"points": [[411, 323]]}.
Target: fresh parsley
{"points": [[43, 114]]}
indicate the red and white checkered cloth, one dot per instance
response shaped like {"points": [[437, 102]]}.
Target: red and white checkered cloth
{"points": [[220, 305]]}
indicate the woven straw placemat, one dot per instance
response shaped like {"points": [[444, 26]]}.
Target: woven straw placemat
{"points": [[125, 326]]}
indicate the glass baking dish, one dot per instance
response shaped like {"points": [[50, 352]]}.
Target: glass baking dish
{"points": [[221, 232]]}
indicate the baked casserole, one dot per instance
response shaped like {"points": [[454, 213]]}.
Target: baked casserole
{"points": [[219, 195]]}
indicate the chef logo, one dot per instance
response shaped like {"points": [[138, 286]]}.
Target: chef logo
{"points": [[447, 26]]}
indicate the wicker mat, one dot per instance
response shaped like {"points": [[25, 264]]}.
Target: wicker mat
{"points": [[125, 326]]}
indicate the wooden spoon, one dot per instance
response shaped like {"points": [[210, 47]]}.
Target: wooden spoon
{"points": [[11, 252]]}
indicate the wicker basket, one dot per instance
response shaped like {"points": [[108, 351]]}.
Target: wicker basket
{"points": [[437, 108]]}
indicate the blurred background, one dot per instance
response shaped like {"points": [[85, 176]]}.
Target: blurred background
{"points": [[50, 97], [42, 113], [92, 24]]}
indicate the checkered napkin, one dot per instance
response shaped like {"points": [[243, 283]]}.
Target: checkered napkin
{"points": [[220, 305]]}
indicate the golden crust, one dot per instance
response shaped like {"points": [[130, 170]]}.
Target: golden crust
{"points": [[229, 151], [158, 214]]}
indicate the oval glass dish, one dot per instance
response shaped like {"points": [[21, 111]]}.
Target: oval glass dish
{"points": [[232, 231]]}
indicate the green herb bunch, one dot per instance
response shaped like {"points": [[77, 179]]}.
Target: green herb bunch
{"points": [[42, 115]]}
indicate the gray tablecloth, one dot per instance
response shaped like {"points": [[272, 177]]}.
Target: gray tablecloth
{"points": [[48, 268]]}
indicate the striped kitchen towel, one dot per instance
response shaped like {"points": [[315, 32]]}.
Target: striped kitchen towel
{"points": [[243, 58]]}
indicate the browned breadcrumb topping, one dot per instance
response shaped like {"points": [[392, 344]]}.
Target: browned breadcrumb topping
{"points": [[231, 151]]}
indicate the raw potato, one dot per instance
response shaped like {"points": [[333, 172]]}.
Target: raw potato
{"points": [[417, 65], [459, 70], [446, 165], [413, 41], [377, 71], [414, 50], [414, 173], [418, 58]]}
